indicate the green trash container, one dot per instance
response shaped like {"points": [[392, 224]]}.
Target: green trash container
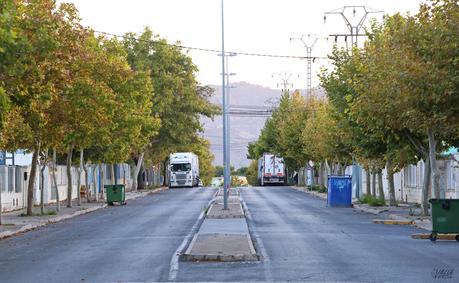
{"points": [[115, 193], [445, 217]]}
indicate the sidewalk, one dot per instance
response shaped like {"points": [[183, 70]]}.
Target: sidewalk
{"points": [[14, 223], [402, 212]]}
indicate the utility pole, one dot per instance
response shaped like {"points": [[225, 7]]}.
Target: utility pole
{"points": [[228, 114], [309, 41], [353, 26], [226, 166], [283, 79]]}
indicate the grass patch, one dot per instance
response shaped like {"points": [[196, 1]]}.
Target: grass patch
{"points": [[318, 188], [372, 201], [46, 213]]}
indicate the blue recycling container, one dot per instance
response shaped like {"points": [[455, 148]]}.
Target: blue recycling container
{"points": [[339, 191]]}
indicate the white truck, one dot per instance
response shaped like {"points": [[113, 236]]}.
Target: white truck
{"points": [[271, 170], [183, 169]]}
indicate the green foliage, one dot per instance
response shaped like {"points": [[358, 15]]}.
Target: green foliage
{"points": [[252, 173], [178, 101], [241, 171], [372, 201], [62, 87], [318, 188]]}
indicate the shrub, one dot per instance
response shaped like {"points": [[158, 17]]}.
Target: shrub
{"points": [[372, 201], [318, 188]]}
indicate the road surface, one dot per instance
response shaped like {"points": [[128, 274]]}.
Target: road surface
{"points": [[301, 238]]}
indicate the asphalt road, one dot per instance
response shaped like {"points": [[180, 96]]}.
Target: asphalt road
{"points": [[301, 238], [306, 241], [122, 243]]}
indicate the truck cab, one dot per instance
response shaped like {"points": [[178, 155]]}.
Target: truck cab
{"points": [[183, 170]]}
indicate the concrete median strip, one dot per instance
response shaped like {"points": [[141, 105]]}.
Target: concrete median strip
{"points": [[220, 247], [393, 222], [234, 211], [223, 235]]}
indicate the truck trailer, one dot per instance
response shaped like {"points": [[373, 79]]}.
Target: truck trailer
{"points": [[183, 170], [271, 170]]}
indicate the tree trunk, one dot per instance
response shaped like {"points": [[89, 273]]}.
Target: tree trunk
{"points": [[80, 170], [86, 182], [373, 182], [31, 185], [58, 201], [380, 185], [433, 165], [94, 181], [112, 174], [42, 183], [102, 180], [69, 176], [320, 179], [368, 181], [327, 172], [425, 188], [137, 171], [390, 181]]}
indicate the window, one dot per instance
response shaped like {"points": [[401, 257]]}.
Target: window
{"points": [[181, 167]]}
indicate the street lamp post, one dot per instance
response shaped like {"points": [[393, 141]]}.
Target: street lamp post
{"points": [[226, 181]]}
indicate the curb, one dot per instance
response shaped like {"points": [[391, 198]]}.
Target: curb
{"points": [[316, 194], [30, 227], [375, 211], [369, 210], [187, 256], [393, 222], [424, 236], [235, 216]]}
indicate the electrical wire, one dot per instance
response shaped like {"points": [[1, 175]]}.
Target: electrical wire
{"points": [[215, 50]]}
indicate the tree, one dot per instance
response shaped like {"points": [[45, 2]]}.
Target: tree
{"points": [[413, 95], [179, 101], [252, 173], [33, 80]]}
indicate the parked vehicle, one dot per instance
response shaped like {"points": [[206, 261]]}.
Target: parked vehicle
{"points": [[271, 170], [183, 170]]}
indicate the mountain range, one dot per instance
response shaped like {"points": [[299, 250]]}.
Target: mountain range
{"points": [[244, 128]]}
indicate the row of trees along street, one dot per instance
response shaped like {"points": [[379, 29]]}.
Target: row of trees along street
{"points": [[393, 102], [68, 94]]}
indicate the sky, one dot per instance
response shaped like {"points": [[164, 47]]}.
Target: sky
{"points": [[252, 26]]}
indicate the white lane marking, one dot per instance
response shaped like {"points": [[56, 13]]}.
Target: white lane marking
{"points": [[174, 264], [259, 242]]}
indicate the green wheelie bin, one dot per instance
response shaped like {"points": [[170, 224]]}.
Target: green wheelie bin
{"points": [[445, 217], [115, 193]]}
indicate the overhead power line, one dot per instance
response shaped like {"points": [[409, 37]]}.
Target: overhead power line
{"points": [[243, 53]]}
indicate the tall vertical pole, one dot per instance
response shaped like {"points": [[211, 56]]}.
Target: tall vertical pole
{"points": [[228, 121], [225, 112], [309, 71], [309, 44]]}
